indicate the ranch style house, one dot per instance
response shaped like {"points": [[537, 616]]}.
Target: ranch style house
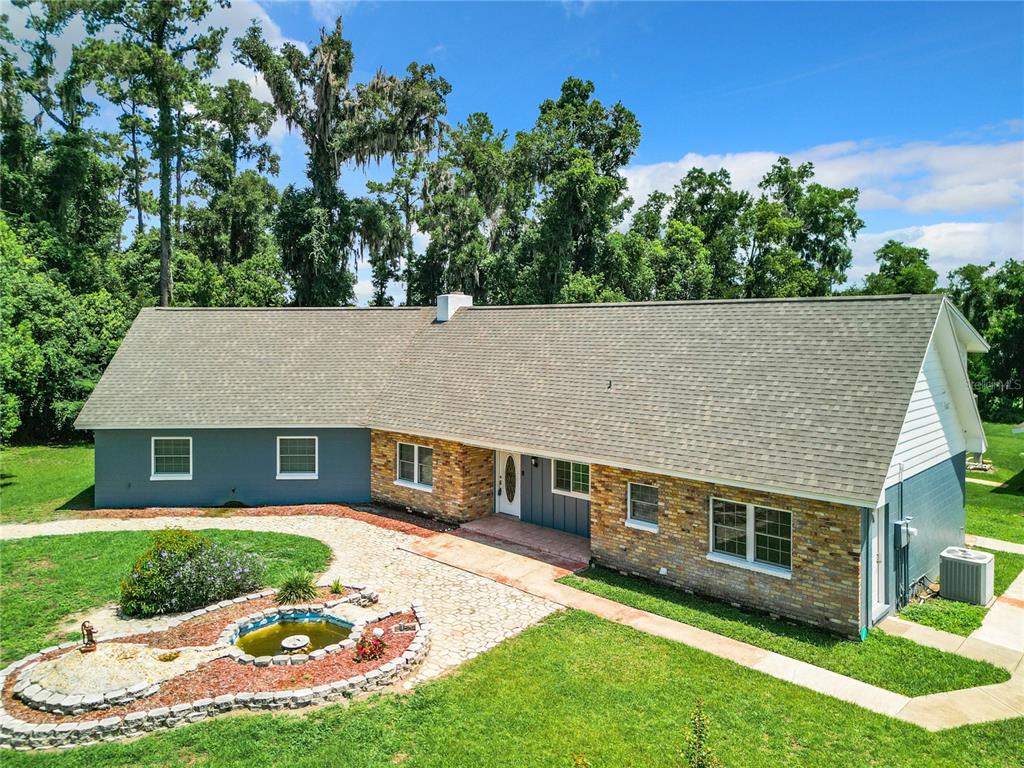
{"points": [[804, 457]]}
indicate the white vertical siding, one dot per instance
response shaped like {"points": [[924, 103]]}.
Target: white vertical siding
{"points": [[931, 431]]}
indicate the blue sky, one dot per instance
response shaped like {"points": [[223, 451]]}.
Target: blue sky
{"points": [[920, 105]]}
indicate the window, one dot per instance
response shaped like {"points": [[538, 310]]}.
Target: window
{"points": [[171, 458], [415, 466], [297, 458], [759, 537], [642, 505], [570, 478]]}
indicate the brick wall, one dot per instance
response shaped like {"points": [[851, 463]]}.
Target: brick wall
{"points": [[825, 585], [463, 478]]}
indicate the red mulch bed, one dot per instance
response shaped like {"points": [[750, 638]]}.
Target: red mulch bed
{"points": [[384, 517], [206, 629], [228, 676]]}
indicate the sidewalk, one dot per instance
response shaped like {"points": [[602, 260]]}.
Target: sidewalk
{"points": [[935, 712]]}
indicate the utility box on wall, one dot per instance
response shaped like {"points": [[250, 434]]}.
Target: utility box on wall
{"points": [[966, 575]]}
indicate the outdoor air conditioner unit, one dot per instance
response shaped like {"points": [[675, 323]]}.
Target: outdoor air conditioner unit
{"points": [[966, 575]]}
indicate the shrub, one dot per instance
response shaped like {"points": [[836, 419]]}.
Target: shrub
{"points": [[296, 587], [337, 587], [182, 571], [697, 752]]}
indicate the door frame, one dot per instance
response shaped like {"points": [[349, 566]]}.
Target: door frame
{"points": [[879, 562], [502, 505]]}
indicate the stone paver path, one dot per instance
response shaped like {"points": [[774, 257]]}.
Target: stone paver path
{"points": [[469, 613]]}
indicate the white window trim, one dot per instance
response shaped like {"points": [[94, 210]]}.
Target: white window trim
{"points": [[748, 562], [641, 525], [573, 494], [414, 484], [315, 474], [168, 475]]}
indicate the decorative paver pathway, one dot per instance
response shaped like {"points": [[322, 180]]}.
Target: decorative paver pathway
{"points": [[469, 613], [479, 595]]}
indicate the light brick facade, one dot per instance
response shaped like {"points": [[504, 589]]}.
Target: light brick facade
{"points": [[824, 588], [463, 478]]}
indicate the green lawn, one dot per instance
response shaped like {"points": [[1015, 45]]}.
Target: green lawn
{"points": [[961, 618], [42, 482], [999, 512], [884, 660], [46, 578], [573, 685]]}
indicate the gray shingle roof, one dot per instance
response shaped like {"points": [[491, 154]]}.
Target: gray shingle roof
{"points": [[806, 396]]}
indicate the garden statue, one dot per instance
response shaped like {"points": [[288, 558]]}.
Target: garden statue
{"points": [[88, 638]]}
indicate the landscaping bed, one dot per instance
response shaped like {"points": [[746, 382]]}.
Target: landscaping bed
{"points": [[886, 661], [218, 685]]}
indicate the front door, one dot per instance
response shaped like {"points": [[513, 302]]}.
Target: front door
{"points": [[507, 483]]}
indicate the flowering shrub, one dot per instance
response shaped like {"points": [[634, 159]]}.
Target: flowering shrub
{"points": [[369, 648], [182, 571]]}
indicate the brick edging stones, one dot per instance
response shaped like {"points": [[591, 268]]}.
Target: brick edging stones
{"points": [[22, 735]]}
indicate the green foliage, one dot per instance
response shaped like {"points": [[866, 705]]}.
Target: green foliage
{"points": [[183, 570], [337, 587], [901, 269], [53, 346], [296, 587], [698, 753], [993, 300], [389, 116]]}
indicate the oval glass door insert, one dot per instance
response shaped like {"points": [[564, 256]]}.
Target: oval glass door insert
{"points": [[510, 479]]}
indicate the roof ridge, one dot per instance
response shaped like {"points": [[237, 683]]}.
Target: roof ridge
{"points": [[693, 302]]}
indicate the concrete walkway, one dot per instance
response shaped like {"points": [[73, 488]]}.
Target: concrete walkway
{"points": [[995, 544], [980, 481], [537, 580], [935, 712]]}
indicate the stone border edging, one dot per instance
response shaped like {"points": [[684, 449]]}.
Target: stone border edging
{"points": [[362, 597], [20, 735], [39, 697]]}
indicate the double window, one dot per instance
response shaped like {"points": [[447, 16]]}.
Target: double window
{"points": [[415, 465], [570, 478], [297, 458], [171, 458], [751, 534], [642, 506]]}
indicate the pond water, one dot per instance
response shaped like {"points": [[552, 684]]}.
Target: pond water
{"points": [[266, 641]]}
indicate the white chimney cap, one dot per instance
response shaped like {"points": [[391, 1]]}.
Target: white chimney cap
{"points": [[450, 303]]}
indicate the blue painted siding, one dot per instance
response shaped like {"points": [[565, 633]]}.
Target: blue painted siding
{"points": [[934, 499], [230, 465], [541, 506]]}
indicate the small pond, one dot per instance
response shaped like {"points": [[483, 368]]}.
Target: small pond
{"points": [[268, 639]]}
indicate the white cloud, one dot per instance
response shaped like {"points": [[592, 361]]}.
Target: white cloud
{"points": [[950, 244], [327, 11], [914, 177]]}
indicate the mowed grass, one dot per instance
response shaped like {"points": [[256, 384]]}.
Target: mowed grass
{"points": [[884, 660], [43, 482], [575, 685], [47, 578], [962, 618], [999, 512]]}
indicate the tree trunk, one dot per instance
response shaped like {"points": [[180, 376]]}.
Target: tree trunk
{"points": [[177, 173], [165, 147], [137, 170]]}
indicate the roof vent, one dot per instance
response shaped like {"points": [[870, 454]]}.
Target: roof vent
{"points": [[450, 303]]}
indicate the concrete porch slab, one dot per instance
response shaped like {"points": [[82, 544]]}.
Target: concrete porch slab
{"points": [[563, 549]]}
